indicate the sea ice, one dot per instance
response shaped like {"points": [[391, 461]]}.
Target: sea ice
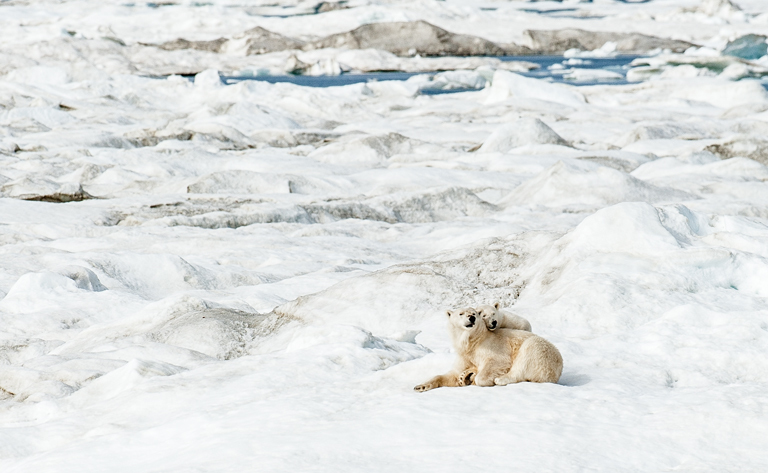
{"points": [[203, 273]]}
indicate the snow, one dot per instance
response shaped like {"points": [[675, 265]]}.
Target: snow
{"points": [[197, 276], [508, 84]]}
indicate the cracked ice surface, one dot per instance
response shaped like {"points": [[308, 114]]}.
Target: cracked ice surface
{"points": [[200, 277]]}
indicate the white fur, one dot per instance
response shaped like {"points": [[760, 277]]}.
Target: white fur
{"points": [[496, 318], [500, 357]]}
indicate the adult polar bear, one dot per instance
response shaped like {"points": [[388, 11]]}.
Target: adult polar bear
{"points": [[500, 357]]}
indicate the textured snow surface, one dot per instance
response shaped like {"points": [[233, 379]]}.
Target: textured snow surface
{"points": [[200, 277]]}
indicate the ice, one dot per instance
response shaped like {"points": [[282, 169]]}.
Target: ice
{"points": [[624, 228], [508, 84], [718, 7], [563, 40], [423, 38], [585, 184], [201, 272], [454, 80], [372, 60], [370, 150], [756, 149], [728, 94], [592, 74], [39, 75], [123, 379], [526, 131], [694, 65], [750, 46]]}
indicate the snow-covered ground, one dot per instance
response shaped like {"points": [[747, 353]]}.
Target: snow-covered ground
{"points": [[198, 277]]}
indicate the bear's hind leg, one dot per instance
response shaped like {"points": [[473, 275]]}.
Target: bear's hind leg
{"points": [[486, 375], [509, 378], [538, 361]]}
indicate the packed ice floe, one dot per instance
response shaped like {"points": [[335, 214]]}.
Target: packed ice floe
{"points": [[203, 275]]}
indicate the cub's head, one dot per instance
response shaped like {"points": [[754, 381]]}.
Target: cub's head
{"points": [[490, 315], [464, 319]]}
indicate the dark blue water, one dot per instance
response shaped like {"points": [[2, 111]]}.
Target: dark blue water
{"points": [[549, 69], [324, 81]]}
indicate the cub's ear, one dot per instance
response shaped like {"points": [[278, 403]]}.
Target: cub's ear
{"points": [[496, 305]]}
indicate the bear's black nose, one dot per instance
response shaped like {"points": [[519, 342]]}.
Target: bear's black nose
{"points": [[472, 318], [493, 324]]}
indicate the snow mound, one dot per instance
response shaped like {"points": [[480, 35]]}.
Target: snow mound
{"points": [[725, 94], [450, 80], [41, 75], [370, 150], [240, 182], [42, 118], [624, 161], [247, 214], [348, 345], [220, 333], [123, 379], [407, 207], [208, 79], [507, 84], [432, 206], [44, 190], [26, 384], [587, 185], [629, 227], [84, 278], [217, 134], [748, 147], [682, 223], [525, 131], [659, 252], [181, 329], [722, 8], [663, 131], [155, 276], [24, 295], [403, 297]]}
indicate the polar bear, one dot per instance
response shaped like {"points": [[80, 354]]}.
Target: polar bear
{"points": [[500, 357], [495, 318], [464, 370]]}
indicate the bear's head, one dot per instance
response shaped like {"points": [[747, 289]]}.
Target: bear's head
{"points": [[463, 318], [466, 329], [464, 321], [490, 315]]}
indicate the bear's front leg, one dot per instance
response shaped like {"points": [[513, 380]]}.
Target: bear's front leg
{"points": [[467, 377], [451, 379]]}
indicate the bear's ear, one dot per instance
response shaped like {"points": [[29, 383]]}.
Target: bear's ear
{"points": [[496, 305]]}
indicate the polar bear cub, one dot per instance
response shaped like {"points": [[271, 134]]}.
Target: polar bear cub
{"points": [[500, 357], [495, 318]]}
